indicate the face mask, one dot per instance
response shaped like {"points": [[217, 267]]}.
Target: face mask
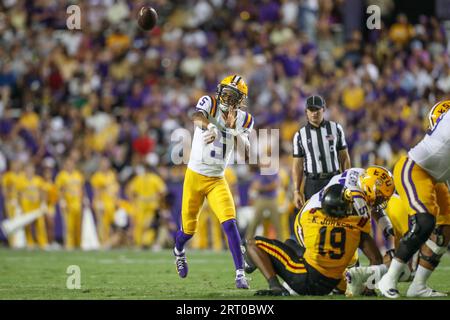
{"points": [[229, 98]]}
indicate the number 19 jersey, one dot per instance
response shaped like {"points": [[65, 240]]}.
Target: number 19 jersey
{"points": [[211, 159], [330, 243]]}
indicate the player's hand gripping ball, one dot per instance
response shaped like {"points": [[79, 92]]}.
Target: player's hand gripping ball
{"points": [[147, 18]]}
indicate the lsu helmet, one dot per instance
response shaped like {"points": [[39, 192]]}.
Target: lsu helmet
{"points": [[337, 201], [231, 91], [436, 111], [378, 185]]}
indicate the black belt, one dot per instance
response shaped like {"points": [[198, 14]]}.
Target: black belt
{"points": [[321, 175]]}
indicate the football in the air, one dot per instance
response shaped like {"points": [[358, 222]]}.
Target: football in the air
{"points": [[147, 18]]}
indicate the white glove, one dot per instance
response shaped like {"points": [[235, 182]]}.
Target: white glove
{"points": [[210, 134]]}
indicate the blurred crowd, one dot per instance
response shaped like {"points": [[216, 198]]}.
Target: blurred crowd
{"points": [[110, 95]]}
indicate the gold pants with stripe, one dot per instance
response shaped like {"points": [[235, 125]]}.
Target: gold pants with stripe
{"points": [[419, 192]]}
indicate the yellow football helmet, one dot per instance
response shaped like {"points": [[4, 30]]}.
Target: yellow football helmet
{"points": [[378, 185], [231, 91], [436, 111]]}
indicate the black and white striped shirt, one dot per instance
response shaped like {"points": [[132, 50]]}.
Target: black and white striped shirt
{"points": [[319, 147]]}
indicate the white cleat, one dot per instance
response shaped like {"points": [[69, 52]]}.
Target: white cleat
{"points": [[356, 278], [388, 288], [415, 291]]}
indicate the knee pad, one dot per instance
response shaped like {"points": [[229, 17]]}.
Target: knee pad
{"points": [[438, 251], [422, 225]]}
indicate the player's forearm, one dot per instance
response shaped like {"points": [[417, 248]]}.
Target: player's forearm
{"points": [[344, 160], [200, 120], [370, 249], [243, 140], [297, 174]]}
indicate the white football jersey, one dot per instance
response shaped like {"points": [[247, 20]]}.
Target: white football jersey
{"points": [[211, 159], [350, 179], [432, 153]]}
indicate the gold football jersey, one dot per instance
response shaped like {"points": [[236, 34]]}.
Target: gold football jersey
{"points": [[330, 243]]}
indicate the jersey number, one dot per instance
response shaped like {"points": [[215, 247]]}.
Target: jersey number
{"points": [[336, 240], [219, 149]]}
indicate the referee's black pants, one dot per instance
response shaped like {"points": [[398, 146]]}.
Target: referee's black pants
{"points": [[314, 185]]}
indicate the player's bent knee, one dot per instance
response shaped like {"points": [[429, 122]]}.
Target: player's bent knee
{"points": [[437, 251], [422, 225]]}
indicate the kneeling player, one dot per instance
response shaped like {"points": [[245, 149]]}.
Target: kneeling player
{"points": [[330, 234]]}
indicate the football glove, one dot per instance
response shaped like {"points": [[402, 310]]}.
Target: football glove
{"points": [[210, 134]]}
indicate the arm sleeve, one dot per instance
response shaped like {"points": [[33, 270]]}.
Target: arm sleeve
{"points": [[299, 152], [341, 143], [245, 123], [204, 105]]}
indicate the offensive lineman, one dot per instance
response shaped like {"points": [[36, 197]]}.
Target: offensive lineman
{"points": [[420, 179]]}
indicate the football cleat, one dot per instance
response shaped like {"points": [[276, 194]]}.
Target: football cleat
{"points": [[241, 282], [181, 263], [356, 278], [415, 291], [388, 288]]}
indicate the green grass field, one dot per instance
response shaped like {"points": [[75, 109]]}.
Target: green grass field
{"points": [[128, 274]]}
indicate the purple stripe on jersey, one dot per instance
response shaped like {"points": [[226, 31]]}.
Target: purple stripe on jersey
{"points": [[414, 187], [405, 185], [246, 118]]}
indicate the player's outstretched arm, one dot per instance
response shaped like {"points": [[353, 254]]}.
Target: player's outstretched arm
{"points": [[369, 248], [385, 224]]}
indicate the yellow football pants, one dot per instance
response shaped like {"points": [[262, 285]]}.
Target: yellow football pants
{"points": [[195, 188], [420, 193], [207, 222]]}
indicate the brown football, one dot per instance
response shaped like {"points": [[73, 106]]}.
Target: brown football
{"points": [[147, 18]]}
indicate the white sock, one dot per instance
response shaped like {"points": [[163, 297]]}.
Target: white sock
{"points": [[395, 269], [178, 252], [421, 277], [240, 273]]}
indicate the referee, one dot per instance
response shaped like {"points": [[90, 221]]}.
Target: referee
{"points": [[320, 152]]}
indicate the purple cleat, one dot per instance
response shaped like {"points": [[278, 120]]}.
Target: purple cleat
{"points": [[181, 263], [241, 282]]}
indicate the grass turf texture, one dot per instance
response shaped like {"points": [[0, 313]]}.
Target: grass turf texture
{"points": [[128, 274]]}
